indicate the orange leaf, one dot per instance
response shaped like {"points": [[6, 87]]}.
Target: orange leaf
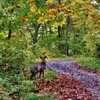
{"points": [[24, 18], [90, 8], [31, 3]]}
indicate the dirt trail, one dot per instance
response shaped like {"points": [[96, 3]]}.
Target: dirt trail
{"points": [[89, 79]]}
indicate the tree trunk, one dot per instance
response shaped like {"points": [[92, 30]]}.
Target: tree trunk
{"points": [[59, 31], [67, 31], [59, 28], [35, 35], [10, 30], [9, 33]]}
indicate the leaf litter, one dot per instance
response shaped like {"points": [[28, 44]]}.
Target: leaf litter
{"points": [[73, 83], [66, 87], [83, 79]]}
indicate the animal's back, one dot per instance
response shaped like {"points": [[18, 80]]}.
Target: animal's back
{"points": [[36, 66]]}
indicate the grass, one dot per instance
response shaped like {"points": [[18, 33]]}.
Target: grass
{"points": [[60, 57], [50, 74], [43, 97], [10, 84], [8, 81], [89, 62]]}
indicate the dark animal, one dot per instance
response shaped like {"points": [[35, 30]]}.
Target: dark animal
{"points": [[38, 67]]}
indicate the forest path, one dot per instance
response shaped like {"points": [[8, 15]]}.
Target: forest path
{"points": [[89, 79]]}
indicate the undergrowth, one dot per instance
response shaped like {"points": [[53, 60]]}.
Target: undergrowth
{"points": [[20, 87], [16, 85], [89, 62]]}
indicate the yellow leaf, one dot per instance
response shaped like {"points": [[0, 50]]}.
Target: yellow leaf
{"points": [[52, 17], [55, 24], [99, 21], [39, 12], [0, 7], [62, 23], [40, 20], [74, 16], [80, 1], [33, 9], [50, 1], [30, 15]]}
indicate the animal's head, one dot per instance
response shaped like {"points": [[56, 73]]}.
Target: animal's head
{"points": [[43, 59]]}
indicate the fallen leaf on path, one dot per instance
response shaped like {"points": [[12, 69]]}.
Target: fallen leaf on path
{"points": [[66, 87]]}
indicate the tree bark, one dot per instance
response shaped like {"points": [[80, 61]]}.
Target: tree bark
{"points": [[59, 31], [35, 35], [9, 33], [59, 27], [67, 32]]}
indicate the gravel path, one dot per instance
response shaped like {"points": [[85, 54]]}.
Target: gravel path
{"points": [[89, 79]]}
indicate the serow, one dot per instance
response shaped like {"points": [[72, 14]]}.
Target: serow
{"points": [[38, 67]]}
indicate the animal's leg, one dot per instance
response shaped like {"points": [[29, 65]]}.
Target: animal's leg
{"points": [[40, 74], [32, 76], [43, 74]]}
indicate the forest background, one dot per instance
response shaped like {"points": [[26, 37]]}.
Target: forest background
{"points": [[58, 29]]}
